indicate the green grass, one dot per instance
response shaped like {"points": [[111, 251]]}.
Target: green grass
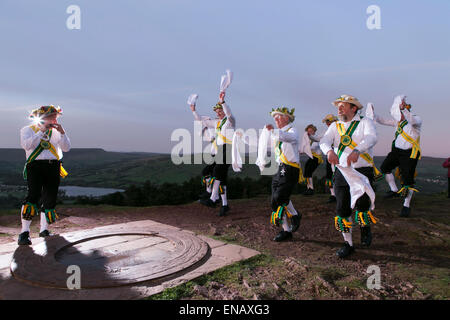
{"points": [[433, 281], [228, 276]]}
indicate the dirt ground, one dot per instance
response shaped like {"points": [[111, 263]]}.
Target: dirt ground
{"points": [[412, 253]]}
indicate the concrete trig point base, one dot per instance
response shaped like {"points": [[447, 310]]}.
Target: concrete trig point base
{"points": [[123, 261]]}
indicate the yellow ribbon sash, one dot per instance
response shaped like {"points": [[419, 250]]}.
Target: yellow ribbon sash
{"points": [[347, 141], [415, 143], [46, 145]]}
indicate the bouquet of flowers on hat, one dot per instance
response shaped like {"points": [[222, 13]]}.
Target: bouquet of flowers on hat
{"points": [[226, 80]]}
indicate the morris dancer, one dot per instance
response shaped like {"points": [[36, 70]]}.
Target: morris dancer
{"points": [[44, 143], [328, 120], [310, 146], [224, 126], [353, 139], [287, 156], [405, 150]]}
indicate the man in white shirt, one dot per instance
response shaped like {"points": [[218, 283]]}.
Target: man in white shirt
{"points": [[328, 120], [44, 143], [315, 158], [224, 128], [405, 150], [353, 138], [286, 150]]}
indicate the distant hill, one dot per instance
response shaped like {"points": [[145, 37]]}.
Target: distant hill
{"points": [[100, 168]]}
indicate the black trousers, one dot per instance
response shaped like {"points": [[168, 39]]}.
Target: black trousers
{"points": [[342, 192], [43, 182], [283, 184], [329, 174], [219, 168], [310, 166], [401, 158]]}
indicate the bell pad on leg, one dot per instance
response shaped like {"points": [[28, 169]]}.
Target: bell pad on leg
{"points": [[50, 215], [278, 215], [342, 225], [29, 210], [405, 190], [364, 218]]}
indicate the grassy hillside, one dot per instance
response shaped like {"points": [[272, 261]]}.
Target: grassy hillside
{"points": [[100, 168]]}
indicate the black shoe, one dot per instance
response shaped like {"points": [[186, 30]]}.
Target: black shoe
{"points": [[345, 251], [282, 236], [405, 212], [205, 195], [44, 234], [308, 192], [208, 202], [224, 210], [391, 194], [366, 236], [296, 222], [24, 239], [331, 199]]}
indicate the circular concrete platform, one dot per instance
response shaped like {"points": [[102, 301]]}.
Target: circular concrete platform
{"points": [[109, 258]]}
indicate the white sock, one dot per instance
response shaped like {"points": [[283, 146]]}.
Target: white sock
{"points": [[408, 198], [310, 183], [44, 223], [391, 181], [224, 196], [285, 224], [348, 235], [215, 191], [348, 238], [332, 192], [26, 225], [291, 209]]}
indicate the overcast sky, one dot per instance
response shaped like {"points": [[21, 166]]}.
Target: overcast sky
{"points": [[123, 79]]}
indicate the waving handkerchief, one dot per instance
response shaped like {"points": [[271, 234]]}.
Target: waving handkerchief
{"points": [[359, 184], [305, 145], [192, 99], [225, 80], [369, 111], [395, 109]]}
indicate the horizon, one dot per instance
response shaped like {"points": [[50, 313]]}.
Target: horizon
{"points": [[123, 78], [168, 154]]}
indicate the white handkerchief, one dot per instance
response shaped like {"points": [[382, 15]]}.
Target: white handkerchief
{"points": [[369, 111], [395, 109], [359, 184], [192, 99], [225, 80]]}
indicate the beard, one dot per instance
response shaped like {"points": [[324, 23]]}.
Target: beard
{"points": [[343, 117]]}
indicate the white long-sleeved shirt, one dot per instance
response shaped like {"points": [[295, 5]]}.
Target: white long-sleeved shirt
{"points": [[412, 128], [365, 136], [227, 129], [288, 135], [29, 140]]}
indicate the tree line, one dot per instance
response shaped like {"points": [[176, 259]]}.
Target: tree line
{"points": [[151, 194]]}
